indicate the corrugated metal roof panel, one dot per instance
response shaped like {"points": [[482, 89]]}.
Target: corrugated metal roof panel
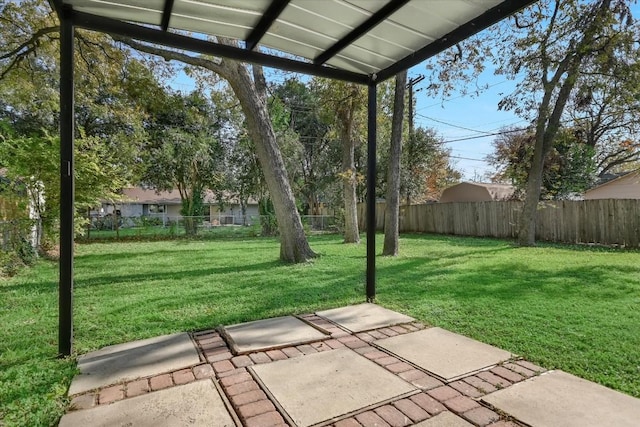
{"points": [[306, 29]]}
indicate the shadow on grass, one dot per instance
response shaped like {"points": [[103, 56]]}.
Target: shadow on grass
{"points": [[183, 275], [504, 281]]}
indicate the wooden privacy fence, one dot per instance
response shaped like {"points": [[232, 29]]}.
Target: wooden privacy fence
{"points": [[606, 221]]}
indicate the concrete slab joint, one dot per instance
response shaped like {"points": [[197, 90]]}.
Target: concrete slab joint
{"points": [[124, 362]]}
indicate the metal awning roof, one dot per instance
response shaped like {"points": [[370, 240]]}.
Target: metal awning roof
{"points": [[353, 40]]}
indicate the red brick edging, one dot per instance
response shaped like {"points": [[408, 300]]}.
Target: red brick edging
{"points": [[254, 408]]}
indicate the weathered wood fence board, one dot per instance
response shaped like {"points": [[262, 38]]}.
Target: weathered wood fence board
{"points": [[606, 221]]}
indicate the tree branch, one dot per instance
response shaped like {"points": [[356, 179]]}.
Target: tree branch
{"points": [[33, 41], [172, 55], [632, 157]]}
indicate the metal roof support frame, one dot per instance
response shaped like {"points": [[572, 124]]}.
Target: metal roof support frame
{"points": [[67, 196], [371, 190], [354, 35], [158, 33], [179, 41], [166, 15], [273, 11]]}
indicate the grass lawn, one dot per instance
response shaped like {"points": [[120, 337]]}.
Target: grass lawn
{"points": [[577, 309], [168, 232]]}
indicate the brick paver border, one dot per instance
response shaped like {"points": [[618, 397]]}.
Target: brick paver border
{"points": [[250, 405]]}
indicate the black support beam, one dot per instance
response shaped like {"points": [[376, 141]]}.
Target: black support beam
{"points": [[166, 14], [67, 120], [371, 192], [271, 14], [490, 17], [178, 41], [382, 14]]}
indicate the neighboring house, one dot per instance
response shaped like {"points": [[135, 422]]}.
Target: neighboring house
{"points": [[477, 192], [166, 205], [626, 186]]}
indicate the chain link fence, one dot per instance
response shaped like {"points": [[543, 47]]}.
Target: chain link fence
{"points": [[159, 225]]}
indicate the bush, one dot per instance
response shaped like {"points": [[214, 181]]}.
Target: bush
{"points": [[10, 264]]}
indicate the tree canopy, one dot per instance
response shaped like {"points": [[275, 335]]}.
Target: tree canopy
{"points": [[569, 59]]}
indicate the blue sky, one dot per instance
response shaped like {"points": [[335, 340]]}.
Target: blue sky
{"points": [[465, 121]]}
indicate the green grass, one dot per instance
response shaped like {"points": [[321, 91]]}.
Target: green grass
{"points": [[572, 308], [168, 232]]}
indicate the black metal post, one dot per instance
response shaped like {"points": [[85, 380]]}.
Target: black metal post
{"points": [[371, 193], [65, 302]]}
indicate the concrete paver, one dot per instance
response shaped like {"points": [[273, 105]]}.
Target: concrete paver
{"points": [[194, 404], [445, 419], [449, 356], [364, 317], [271, 333], [155, 382], [557, 398], [321, 386], [122, 362]]}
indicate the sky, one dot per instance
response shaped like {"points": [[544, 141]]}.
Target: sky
{"points": [[464, 122]]}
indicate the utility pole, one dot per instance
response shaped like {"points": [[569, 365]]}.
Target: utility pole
{"points": [[412, 81]]}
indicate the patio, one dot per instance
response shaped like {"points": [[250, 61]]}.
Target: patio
{"points": [[313, 370]]}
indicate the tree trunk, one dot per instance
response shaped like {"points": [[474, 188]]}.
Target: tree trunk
{"points": [[527, 226], [392, 209], [548, 119], [243, 210], [294, 246], [349, 181]]}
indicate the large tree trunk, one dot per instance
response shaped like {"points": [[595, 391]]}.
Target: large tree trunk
{"points": [[349, 181], [547, 126], [294, 246], [527, 226], [550, 111], [392, 209]]}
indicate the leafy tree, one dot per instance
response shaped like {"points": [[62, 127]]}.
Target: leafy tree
{"points": [[557, 45], [555, 49], [603, 113], [317, 168], [34, 162], [569, 168], [184, 151], [41, 29], [345, 103], [108, 116], [426, 167]]}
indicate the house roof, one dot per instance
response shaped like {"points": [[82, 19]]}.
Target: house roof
{"points": [[497, 191], [355, 40], [630, 179], [609, 177], [148, 196], [492, 191]]}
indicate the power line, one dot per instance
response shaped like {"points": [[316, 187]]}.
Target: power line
{"points": [[468, 158], [482, 136], [452, 125]]}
